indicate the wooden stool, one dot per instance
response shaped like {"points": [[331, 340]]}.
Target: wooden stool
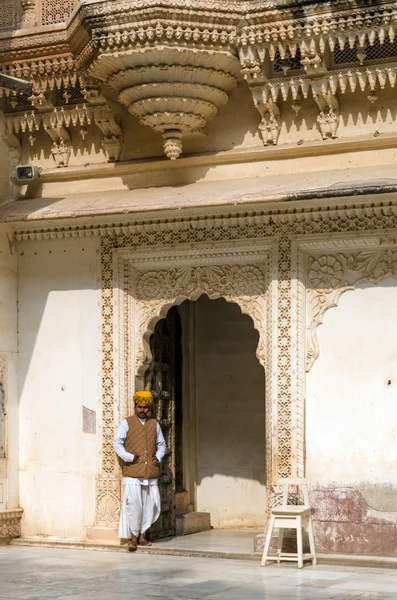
{"points": [[291, 517]]}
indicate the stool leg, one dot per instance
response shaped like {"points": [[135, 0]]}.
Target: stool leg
{"points": [[311, 540], [299, 539], [268, 540], [280, 542]]}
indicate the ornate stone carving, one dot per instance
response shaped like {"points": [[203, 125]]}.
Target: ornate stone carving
{"points": [[284, 362], [56, 123], [29, 13], [108, 495], [46, 74], [142, 239], [175, 91], [328, 119], [244, 285], [173, 68], [56, 11], [329, 276], [11, 140], [144, 295], [11, 10], [10, 523], [112, 141]]}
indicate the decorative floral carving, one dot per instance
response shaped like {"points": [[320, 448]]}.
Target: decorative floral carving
{"points": [[225, 279], [244, 285], [331, 275], [108, 502], [154, 291], [325, 273]]}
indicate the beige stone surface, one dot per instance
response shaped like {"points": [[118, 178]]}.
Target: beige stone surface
{"points": [[221, 194]]}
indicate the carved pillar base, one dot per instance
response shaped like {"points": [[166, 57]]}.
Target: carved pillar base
{"points": [[10, 524]]}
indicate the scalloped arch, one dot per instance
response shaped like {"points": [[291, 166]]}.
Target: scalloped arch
{"points": [[160, 312]]}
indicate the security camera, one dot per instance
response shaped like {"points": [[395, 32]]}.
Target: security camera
{"points": [[24, 174]]}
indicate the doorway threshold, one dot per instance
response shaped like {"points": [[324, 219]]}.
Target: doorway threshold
{"points": [[228, 543]]}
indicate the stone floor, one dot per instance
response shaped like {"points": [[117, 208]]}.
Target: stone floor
{"points": [[29, 573], [215, 541]]}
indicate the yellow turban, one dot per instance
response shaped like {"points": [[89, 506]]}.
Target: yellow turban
{"points": [[143, 398]]}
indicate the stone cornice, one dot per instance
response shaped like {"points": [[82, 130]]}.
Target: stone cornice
{"points": [[273, 18], [324, 216]]}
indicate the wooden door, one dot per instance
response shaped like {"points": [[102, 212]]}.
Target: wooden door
{"points": [[163, 379]]}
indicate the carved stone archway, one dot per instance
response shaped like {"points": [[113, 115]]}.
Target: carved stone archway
{"points": [[146, 283]]}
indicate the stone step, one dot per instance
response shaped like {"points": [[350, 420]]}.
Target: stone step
{"points": [[192, 522]]}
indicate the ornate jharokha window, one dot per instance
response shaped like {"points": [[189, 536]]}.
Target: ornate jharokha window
{"points": [[56, 11], [11, 14], [18, 14]]}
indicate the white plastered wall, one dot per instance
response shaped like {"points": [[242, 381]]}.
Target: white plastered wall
{"points": [[58, 375], [351, 409], [230, 408]]}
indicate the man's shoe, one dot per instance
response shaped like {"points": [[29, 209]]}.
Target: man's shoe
{"points": [[143, 541], [132, 544]]}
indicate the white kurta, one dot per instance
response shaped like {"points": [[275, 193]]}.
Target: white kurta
{"points": [[141, 503]]}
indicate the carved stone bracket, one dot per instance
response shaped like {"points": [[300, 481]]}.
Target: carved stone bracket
{"points": [[328, 119], [55, 126], [112, 142], [330, 275], [270, 125], [57, 123]]}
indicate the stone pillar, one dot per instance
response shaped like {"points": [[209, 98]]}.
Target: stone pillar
{"points": [[29, 13]]}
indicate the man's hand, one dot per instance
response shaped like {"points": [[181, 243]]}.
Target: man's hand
{"points": [[136, 458]]}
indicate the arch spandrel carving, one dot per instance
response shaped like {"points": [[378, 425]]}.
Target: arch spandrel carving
{"points": [[330, 275], [157, 291]]}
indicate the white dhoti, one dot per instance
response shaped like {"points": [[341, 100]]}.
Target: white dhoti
{"points": [[140, 508]]}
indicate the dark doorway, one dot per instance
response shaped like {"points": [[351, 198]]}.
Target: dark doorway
{"points": [[209, 391]]}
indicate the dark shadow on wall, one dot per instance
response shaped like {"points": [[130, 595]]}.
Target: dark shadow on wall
{"points": [[224, 381]]}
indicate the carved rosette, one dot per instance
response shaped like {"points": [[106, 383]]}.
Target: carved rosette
{"points": [[173, 90]]}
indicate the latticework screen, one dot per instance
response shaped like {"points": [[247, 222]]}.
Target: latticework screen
{"points": [[369, 54], [288, 64], [10, 14], [56, 11]]}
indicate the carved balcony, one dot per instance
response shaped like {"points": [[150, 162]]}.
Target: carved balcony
{"points": [[173, 63]]}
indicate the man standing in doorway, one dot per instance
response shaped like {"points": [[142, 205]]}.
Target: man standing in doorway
{"points": [[140, 444]]}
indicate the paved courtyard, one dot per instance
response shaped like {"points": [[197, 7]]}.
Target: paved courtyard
{"points": [[28, 573]]}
